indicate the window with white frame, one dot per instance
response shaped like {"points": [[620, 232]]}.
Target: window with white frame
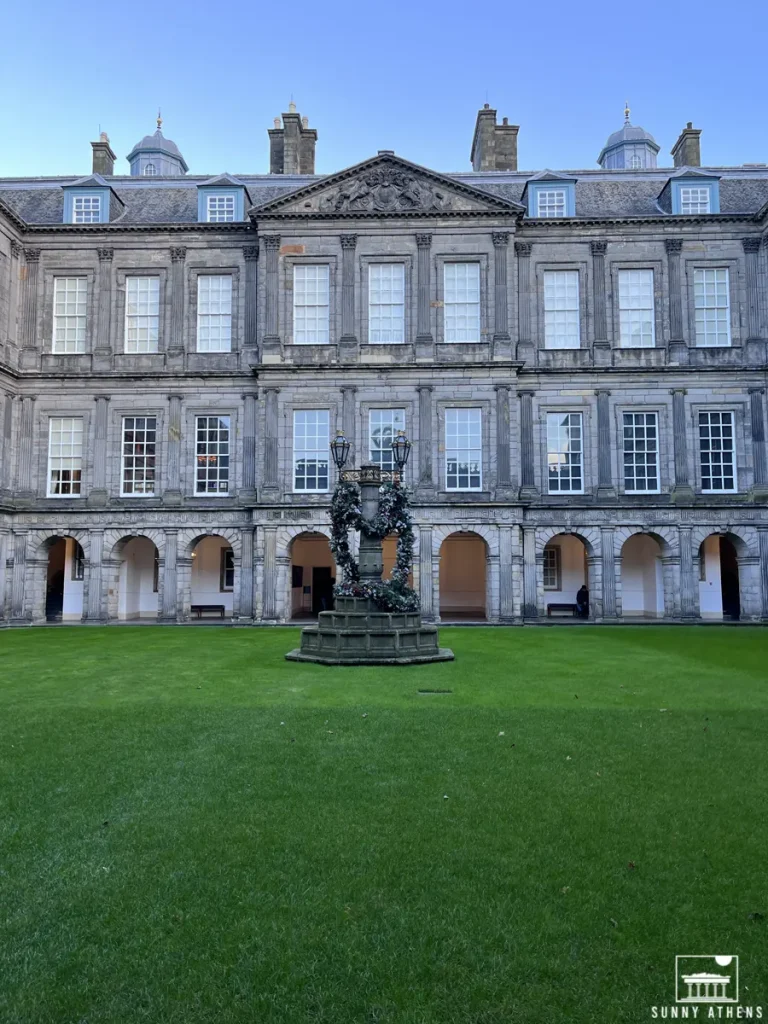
{"points": [[561, 309], [386, 303], [552, 567], [636, 309], [713, 307], [641, 453], [86, 209], [139, 454], [227, 571], [70, 302], [219, 209], [142, 314], [214, 313], [78, 562], [311, 304], [65, 456], [565, 453], [383, 425], [461, 304], [212, 455], [150, 170], [310, 449], [694, 200], [717, 452], [463, 450], [551, 202]]}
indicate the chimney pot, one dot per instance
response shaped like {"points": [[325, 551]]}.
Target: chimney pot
{"points": [[494, 146], [103, 157], [292, 144], [305, 122], [686, 152]]}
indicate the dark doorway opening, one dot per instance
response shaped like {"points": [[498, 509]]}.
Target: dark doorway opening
{"points": [[729, 580], [54, 583], [322, 589]]}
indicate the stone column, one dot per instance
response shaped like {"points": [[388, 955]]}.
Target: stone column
{"points": [[170, 576], [502, 343], [601, 344], [271, 294], [269, 598], [672, 576], [688, 582], [762, 540], [506, 574], [757, 419], [425, 344], [370, 557], [176, 334], [248, 491], [270, 440], [425, 574], [30, 356], [504, 483], [525, 348], [527, 471], [6, 436], [246, 573], [348, 344], [102, 347], [348, 424], [250, 335], [97, 495], [678, 350], [4, 535], [605, 489], [19, 575], [530, 588], [751, 261], [683, 491], [172, 495], [92, 610], [608, 558], [426, 477], [13, 292], [24, 485]]}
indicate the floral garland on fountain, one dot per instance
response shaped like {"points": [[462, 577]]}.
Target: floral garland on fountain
{"points": [[393, 516]]}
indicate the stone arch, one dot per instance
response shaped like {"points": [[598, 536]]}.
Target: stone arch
{"points": [[588, 535], [578, 563], [488, 533], [744, 538], [188, 541], [113, 538], [647, 576], [189, 538], [665, 536], [45, 539], [115, 544], [730, 584], [36, 584], [464, 588], [315, 565]]}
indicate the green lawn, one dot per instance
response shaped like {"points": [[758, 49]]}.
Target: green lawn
{"points": [[194, 830]]}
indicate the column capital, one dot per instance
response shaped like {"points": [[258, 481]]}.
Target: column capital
{"points": [[271, 242], [502, 387], [250, 394], [348, 241], [251, 252], [602, 391], [598, 247], [678, 391], [273, 391], [172, 396], [348, 387], [171, 532], [756, 391], [105, 255], [523, 248], [178, 253], [101, 398], [16, 250], [673, 245], [424, 387], [423, 241], [32, 255], [751, 244], [526, 393], [500, 238]]}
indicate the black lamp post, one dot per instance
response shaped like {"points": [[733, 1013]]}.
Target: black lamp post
{"points": [[401, 449], [340, 450]]}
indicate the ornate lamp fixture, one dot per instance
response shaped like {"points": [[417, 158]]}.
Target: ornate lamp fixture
{"points": [[401, 449], [340, 450]]}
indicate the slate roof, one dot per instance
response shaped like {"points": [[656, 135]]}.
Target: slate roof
{"points": [[599, 193]]}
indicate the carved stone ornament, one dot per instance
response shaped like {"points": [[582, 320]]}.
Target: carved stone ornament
{"points": [[32, 255], [673, 245], [16, 250], [523, 248], [500, 238], [598, 248], [178, 253], [251, 252], [385, 190], [105, 255], [751, 244]]}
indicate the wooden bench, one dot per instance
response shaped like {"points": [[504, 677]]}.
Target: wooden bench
{"points": [[208, 609], [564, 609]]}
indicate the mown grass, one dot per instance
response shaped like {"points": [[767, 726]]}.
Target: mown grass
{"points": [[194, 830]]}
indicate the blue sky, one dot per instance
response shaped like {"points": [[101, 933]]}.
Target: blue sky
{"points": [[377, 75]]}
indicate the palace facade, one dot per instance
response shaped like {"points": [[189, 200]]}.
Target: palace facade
{"points": [[579, 358]]}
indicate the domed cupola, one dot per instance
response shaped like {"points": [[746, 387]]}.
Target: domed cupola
{"points": [[156, 156], [629, 148]]}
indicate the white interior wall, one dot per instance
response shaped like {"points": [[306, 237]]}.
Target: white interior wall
{"points": [[206, 574], [642, 585], [462, 574], [710, 588], [136, 598], [309, 552], [573, 570], [72, 610]]}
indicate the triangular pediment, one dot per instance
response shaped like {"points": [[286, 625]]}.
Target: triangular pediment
{"points": [[386, 185]]}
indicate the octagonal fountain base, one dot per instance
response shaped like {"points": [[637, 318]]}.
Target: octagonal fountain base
{"points": [[356, 632]]}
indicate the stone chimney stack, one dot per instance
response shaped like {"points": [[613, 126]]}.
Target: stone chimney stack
{"points": [[494, 146], [292, 144], [686, 152], [103, 157]]}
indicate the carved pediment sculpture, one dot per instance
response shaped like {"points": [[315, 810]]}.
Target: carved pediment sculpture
{"points": [[385, 190]]}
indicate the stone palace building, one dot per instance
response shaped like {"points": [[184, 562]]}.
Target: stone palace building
{"points": [[579, 358]]}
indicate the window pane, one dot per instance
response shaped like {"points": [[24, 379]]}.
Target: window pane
{"points": [[142, 314], [386, 303], [463, 449], [636, 325], [461, 303], [550, 202], [139, 452], [641, 452], [561, 309], [65, 456], [716, 448], [86, 209], [383, 426], [552, 567], [311, 305], [695, 200], [214, 313], [220, 208], [311, 449], [70, 304], [712, 304], [212, 455], [565, 454]]}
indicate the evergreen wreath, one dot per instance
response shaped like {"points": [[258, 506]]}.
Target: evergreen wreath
{"points": [[393, 516]]}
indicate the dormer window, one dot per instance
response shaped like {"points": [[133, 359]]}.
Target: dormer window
{"points": [[86, 210], [554, 196], [694, 195], [88, 201], [550, 202], [221, 200], [694, 200], [220, 208], [150, 170]]}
